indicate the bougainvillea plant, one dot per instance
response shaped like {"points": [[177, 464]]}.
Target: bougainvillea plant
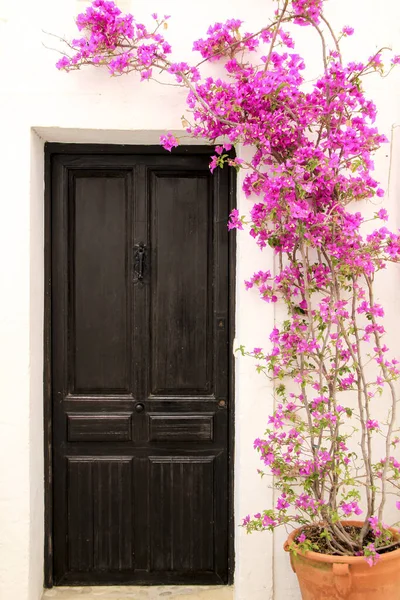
{"points": [[312, 146]]}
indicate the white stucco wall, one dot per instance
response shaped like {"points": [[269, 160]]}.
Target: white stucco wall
{"points": [[39, 104]]}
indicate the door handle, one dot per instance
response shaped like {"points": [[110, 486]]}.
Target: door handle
{"points": [[139, 261], [139, 407]]}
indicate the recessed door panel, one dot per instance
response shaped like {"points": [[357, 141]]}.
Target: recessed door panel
{"points": [[181, 283], [98, 272], [182, 494], [100, 508]]}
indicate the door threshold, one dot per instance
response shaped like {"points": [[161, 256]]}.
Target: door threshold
{"points": [[129, 592]]}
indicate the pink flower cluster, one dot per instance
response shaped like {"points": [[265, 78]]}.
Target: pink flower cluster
{"points": [[223, 39], [307, 9], [115, 40]]}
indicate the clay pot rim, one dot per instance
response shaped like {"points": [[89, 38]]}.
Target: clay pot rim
{"points": [[328, 558]]}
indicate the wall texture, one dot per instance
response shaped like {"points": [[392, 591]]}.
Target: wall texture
{"points": [[39, 104]]}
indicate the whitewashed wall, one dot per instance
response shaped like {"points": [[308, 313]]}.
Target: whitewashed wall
{"points": [[39, 104]]}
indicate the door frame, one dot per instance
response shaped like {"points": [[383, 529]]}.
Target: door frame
{"points": [[50, 150]]}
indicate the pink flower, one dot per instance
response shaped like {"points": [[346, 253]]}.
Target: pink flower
{"points": [[268, 522], [63, 62], [235, 223], [372, 424], [282, 503], [371, 555], [169, 141], [303, 305], [146, 75], [350, 508], [382, 214], [347, 30], [301, 538], [377, 527]]}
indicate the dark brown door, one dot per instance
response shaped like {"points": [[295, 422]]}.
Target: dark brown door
{"points": [[140, 368]]}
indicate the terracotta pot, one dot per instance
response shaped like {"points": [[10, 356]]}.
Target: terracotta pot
{"points": [[324, 577]]}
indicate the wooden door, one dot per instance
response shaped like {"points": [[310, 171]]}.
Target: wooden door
{"points": [[140, 369]]}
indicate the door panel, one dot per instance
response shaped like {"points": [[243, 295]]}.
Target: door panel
{"points": [[180, 493], [164, 427], [98, 427], [100, 531], [140, 350], [181, 283], [100, 312]]}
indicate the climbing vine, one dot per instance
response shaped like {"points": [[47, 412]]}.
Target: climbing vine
{"points": [[312, 147]]}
